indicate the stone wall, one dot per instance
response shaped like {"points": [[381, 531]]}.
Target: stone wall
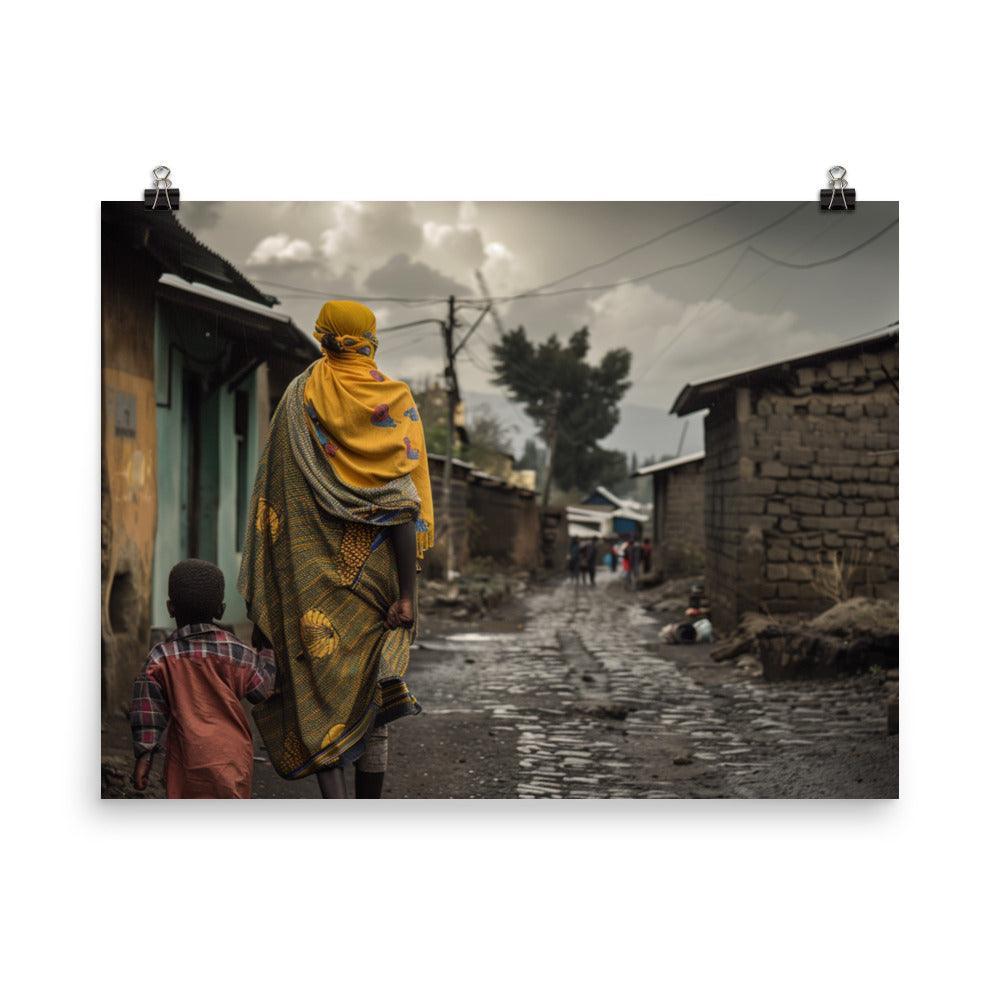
{"points": [[679, 504], [722, 528], [504, 524], [802, 475]]}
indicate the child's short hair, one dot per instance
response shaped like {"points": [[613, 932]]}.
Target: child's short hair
{"points": [[196, 589]]}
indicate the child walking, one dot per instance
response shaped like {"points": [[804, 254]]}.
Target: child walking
{"points": [[187, 697]]}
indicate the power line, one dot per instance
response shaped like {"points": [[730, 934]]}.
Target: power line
{"points": [[538, 291], [402, 342], [630, 250], [694, 316], [527, 374], [739, 291], [709, 299], [714, 308], [404, 326], [315, 293], [652, 274], [828, 260], [427, 300], [782, 292], [774, 263]]}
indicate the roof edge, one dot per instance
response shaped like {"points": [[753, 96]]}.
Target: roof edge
{"points": [[693, 396], [670, 463]]}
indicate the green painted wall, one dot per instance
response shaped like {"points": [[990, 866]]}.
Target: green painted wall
{"points": [[169, 463], [217, 529]]}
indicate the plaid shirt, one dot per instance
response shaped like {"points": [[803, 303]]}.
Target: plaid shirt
{"points": [[252, 672]]}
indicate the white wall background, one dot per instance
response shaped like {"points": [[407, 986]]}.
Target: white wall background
{"points": [[520, 101]]}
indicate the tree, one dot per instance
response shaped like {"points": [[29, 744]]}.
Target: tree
{"points": [[574, 404], [489, 442], [532, 457]]}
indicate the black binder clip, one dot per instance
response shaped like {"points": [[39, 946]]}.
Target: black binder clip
{"points": [[838, 197], [162, 196]]}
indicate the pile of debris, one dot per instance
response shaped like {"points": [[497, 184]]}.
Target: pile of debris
{"points": [[471, 596], [669, 598], [685, 602], [855, 635]]}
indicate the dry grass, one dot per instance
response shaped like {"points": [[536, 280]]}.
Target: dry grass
{"points": [[837, 577]]}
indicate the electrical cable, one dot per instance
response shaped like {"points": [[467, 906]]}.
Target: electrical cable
{"points": [[714, 308], [315, 293], [651, 274], [828, 260], [630, 250], [538, 290], [647, 368], [404, 326]]}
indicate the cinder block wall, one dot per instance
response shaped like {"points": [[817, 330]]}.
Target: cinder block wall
{"points": [[680, 529], [815, 478], [722, 526], [504, 525]]}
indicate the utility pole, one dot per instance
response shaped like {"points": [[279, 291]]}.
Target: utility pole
{"points": [[451, 384], [550, 443]]}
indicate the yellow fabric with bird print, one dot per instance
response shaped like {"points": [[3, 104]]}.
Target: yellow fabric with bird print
{"points": [[365, 422]]}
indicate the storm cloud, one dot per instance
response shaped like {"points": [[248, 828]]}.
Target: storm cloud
{"points": [[732, 310]]}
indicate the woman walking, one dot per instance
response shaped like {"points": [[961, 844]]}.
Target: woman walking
{"points": [[340, 513]]}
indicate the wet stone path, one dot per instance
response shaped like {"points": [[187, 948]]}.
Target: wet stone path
{"points": [[583, 700]]}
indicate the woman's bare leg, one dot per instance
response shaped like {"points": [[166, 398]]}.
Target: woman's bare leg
{"points": [[331, 783]]}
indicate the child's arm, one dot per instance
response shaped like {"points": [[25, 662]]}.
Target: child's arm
{"points": [[149, 717], [260, 680], [404, 541]]}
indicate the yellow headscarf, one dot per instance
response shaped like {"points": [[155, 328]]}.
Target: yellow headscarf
{"points": [[366, 423]]}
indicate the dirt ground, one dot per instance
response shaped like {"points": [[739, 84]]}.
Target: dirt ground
{"points": [[569, 693]]}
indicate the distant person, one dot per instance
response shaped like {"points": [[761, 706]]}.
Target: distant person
{"points": [[627, 564], [187, 698], [632, 556], [574, 559], [592, 561], [647, 555], [613, 552]]}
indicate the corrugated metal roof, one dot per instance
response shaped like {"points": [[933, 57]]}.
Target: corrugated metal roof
{"points": [[178, 250], [697, 395], [586, 513], [455, 461], [281, 334], [219, 295]]}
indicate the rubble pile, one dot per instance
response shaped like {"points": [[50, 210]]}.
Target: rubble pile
{"points": [[670, 598], [471, 596], [855, 635]]}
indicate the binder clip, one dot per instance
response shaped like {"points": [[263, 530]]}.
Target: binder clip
{"points": [[162, 196], [838, 197]]}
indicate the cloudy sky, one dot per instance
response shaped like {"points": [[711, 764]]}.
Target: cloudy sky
{"points": [[730, 311]]}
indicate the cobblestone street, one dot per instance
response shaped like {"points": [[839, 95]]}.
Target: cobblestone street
{"points": [[580, 699]]}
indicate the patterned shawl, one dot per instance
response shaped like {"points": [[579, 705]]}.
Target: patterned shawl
{"points": [[318, 575]]}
